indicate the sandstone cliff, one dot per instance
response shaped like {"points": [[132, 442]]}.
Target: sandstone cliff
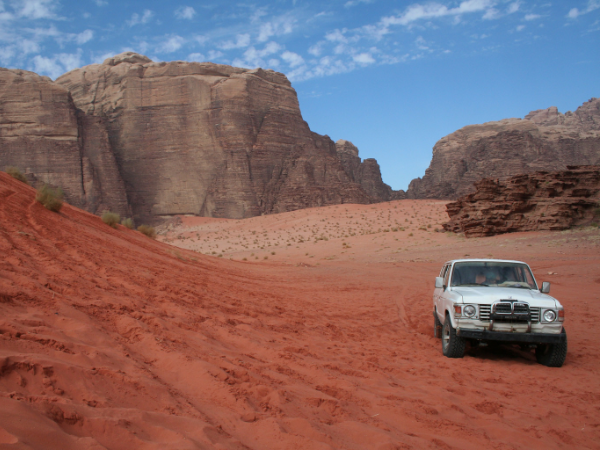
{"points": [[543, 140], [529, 202], [43, 134], [366, 173], [210, 140]]}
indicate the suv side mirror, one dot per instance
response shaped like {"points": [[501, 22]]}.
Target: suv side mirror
{"points": [[439, 282], [545, 287]]}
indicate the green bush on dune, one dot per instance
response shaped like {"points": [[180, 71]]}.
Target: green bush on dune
{"points": [[127, 222], [110, 218], [16, 174], [52, 199], [148, 231]]}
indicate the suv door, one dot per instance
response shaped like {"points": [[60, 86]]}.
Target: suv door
{"points": [[437, 292]]}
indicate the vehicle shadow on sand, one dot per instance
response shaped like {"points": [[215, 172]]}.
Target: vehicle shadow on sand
{"points": [[502, 352]]}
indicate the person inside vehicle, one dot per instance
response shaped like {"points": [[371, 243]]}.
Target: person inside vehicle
{"points": [[480, 278]]}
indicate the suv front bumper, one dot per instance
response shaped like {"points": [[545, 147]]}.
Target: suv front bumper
{"points": [[532, 338]]}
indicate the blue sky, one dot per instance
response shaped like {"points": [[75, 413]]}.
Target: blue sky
{"points": [[393, 77]]}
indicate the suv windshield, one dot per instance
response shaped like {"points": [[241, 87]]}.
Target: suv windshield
{"points": [[488, 273]]}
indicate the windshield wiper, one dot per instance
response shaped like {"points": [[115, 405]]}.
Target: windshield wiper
{"points": [[472, 284]]}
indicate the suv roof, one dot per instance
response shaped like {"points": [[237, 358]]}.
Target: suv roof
{"points": [[483, 260]]}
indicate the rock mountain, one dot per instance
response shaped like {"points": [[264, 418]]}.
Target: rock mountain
{"points": [[544, 140], [156, 139]]}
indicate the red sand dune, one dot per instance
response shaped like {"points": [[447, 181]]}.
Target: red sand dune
{"points": [[111, 340]]}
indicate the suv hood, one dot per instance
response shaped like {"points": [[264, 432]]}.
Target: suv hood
{"points": [[488, 295]]}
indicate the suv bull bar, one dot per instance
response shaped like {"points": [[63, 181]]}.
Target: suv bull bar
{"points": [[532, 338]]}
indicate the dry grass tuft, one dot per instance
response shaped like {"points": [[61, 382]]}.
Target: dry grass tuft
{"points": [[17, 174], [127, 222], [147, 230], [111, 219], [52, 199]]}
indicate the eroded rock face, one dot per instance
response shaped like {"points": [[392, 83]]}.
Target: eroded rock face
{"points": [[209, 139], [43, 134], [543, 140], [529, 202], [366, 173]]}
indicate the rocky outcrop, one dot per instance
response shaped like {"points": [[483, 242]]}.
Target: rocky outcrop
{"points": [[366, 173], [209, 139], [44, 135], [529, 202], [543, 140]]}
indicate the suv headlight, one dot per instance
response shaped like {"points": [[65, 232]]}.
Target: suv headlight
{"points": [[549, 315], [469, 311]]}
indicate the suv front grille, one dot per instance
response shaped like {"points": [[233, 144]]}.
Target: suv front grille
{"points": [[484, 311]]}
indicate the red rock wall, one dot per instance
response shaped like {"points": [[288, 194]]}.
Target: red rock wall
{"points": [[211, 140], [44, 136], [529, 202]]}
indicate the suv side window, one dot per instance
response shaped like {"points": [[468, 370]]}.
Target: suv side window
{"points": [[447, 275]]}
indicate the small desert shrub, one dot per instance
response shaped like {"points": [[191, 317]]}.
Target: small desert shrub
{"points": [[16, 174], [147, 230], [52, 199], [127, 222], [111, 219]]}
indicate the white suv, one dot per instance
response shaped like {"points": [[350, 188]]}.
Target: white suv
{"points": [[481, 300]]}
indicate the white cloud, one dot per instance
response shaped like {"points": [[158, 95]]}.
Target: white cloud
{"points": [[421, 43], [491, 14], [337, 36], [513, 7], [351, 3], [99, 58], [6, 55], [214, 54], [100, 2], [242, 41], [363, 58], [84, 37], [529, 17], [47, 66], [520, 27], [136, 19], [592, 6], [276, 27], [35, 9], [255, 58], [185, 12], [293, 59], [170, 45], [435, 10], [200, 39], [56, 65], [317, 49], [196, 57]]}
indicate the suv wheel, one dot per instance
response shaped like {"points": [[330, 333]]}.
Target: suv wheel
{"points": [[437, 326], [552, 355], [453, 346]]}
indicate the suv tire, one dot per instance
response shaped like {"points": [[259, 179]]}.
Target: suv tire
{"points": [[437, 326], [453, 346], [552, 355]]}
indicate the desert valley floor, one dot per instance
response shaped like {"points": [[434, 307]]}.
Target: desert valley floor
{"points": [[305, 330]]}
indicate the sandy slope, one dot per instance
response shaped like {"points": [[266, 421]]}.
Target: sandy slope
{"points": [[111, 340]]}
